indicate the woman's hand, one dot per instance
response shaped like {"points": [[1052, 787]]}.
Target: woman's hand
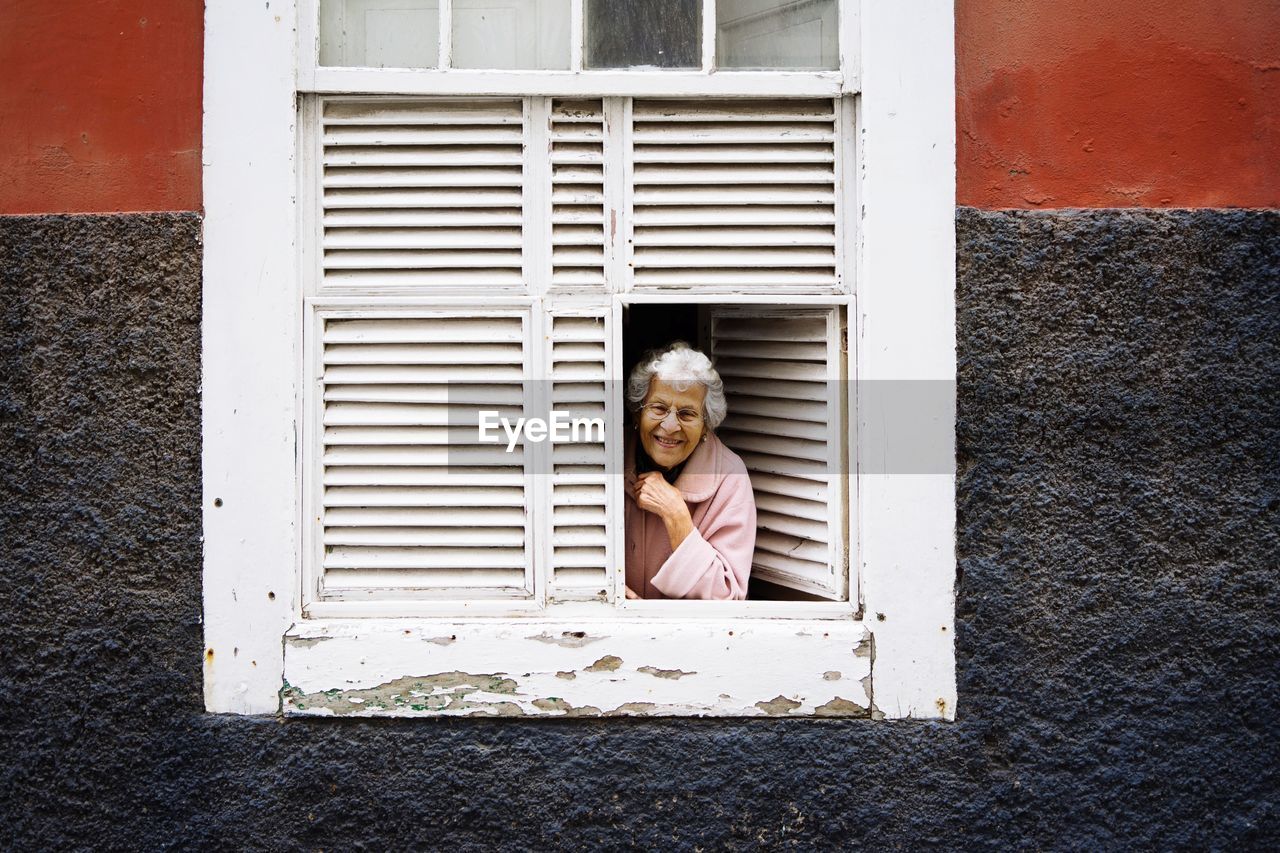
{"points": [[632, 594], [654, 494]]}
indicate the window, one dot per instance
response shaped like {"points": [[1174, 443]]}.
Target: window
{"points": [[433, 239]]}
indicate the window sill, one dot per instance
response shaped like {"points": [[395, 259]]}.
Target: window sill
{"points": [[749, 667]]}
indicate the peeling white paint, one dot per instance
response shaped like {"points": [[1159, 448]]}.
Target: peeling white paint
{"points": [[643, 669]]}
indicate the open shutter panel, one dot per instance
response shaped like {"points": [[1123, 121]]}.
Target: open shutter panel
{"points": [[413, 506], [426, 192], [781, 371], [577, 194], [734, 195], [578, 352]]}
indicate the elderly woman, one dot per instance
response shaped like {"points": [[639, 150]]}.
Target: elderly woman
{"points": [[691, 515]]}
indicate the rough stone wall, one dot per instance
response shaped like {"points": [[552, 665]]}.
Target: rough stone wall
{"points": [[1118, 629]]}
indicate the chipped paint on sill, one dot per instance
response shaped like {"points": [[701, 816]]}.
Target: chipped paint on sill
{"points": [[764, 669]]}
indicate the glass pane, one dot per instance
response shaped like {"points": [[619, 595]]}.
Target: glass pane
{"points": [[380, 33], [794, 34], [510, 33], [652, 33]]}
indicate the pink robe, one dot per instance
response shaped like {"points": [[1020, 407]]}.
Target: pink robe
{"points": [[713, 561]]}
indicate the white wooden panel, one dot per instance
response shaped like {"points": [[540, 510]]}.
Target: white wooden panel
{"points": [[578, 351], [251, 365], [577, 194], [409, 504], [734, 196], [425, 193], [906, 331], [782, 369]]}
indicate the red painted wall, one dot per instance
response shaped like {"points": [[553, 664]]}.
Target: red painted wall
{"points": [[1060, 103], [100, 105], [1118, 103]]}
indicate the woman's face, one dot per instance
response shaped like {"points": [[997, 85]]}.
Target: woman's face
{"points": [[670, 422]]}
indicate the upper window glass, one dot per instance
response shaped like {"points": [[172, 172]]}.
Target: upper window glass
{"points": [[380, 33], [792, 34], [511, 34], [551, 35], [638, 33]]}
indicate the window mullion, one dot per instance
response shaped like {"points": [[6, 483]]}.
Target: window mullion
{"points": [[446, 34], [615, 175], [708, 35], [576, 35]]}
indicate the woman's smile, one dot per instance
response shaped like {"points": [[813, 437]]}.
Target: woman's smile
{"points": [[671, 422]]}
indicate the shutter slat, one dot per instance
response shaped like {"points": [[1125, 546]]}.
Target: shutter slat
{"points": [[425, 353], [646, 174], [764, 482], [451, 278], [714, 154], [455, 412], [790, 525], [339, 436], [441, 330], [494, 455], [422, 135], [436, 111], [775, 426], [771, 499], [338, 177], [416, 260], [810, 351], [736, 110], [747, 235], [450, 222], [456, 483], [351, 557], [494, 490], [730, 132], [379, 517], [424, 238], [777, 445], [461, 157], [722, 280], [435, 582], [430, 197], [786, 258], [814, 411], [755, 214], [424, 537], [760, 369]]}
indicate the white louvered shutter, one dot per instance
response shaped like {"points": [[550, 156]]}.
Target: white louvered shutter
{"points": [[578, 351], [411, 504], [782, 371], [734, 196], [423, 192], [577, 194]]}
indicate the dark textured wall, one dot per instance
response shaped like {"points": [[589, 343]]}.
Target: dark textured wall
{"points": [[1118, 617]]}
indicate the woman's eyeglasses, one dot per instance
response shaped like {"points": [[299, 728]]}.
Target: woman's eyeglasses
{"points": [[659, 412]]}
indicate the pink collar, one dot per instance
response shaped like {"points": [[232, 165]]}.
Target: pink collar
{"points": [[701, 475]]}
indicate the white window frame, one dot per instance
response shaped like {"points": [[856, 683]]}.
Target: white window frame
{"points": [[895, 659]]}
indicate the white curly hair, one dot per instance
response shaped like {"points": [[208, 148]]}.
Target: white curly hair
{"points": [[681, 366]]}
